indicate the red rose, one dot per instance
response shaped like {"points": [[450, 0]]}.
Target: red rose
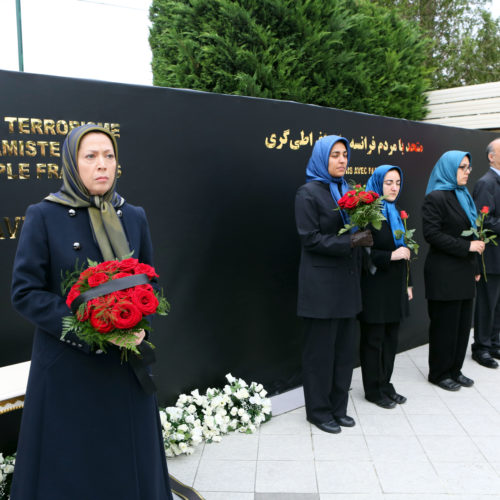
{"points": [[127, 265], [109, 265], [145, 269], [348, 201], [367, 197], [100, 319], [145, 300], [403, 215], [125, 315], [120, 275], [72, 295], [97, 279], [485, 210]]}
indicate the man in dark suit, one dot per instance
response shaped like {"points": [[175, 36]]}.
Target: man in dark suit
{"points": [[486, 344]]}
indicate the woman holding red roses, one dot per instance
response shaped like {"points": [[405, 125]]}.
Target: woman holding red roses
{"points": [[89, 428], [451, 268], [329, 295], [384, 292]]}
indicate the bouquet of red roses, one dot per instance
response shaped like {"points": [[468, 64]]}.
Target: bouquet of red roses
{"points": [[109, 301], [363, 208]]}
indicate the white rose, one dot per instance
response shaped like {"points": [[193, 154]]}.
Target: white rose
{"points": [[9, 469], [230, 378], [190, 419], [191, 409], [234, 411], [245, 418]]}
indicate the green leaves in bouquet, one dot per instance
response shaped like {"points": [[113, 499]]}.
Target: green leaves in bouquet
{"points": [[69, 278]]}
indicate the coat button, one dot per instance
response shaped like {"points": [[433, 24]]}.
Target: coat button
{"points": [[72, 212], [76, 245], [119, 213], [99, 351]]}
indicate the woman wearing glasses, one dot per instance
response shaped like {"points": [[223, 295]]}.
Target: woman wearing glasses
{"points": [[451, 268]]}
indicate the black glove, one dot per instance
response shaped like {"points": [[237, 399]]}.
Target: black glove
{"points": [[362, 239]]}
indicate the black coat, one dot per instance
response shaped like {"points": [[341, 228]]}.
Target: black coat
{"points": [[450, 268], [88, 430], [487, 193], [385, 299], [329, 272]]}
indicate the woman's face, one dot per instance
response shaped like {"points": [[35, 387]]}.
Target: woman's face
{"points": [[392, 185], [463, 171], [337, 162], [96, 162]]}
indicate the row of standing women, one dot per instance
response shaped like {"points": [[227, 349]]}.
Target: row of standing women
{"points": [[363, 276]]}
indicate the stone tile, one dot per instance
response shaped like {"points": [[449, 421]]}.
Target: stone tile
{"points": [[451, 449], [350, 496], [470, 402], [387, 424], [417, 388], [225, 475], [235, 446], [489, 446], [469, 477], [226, 495], [480, 425], [435, 425], [292, 423], [184, 467], [409, 477], [346, 477], [285, 447], [340, 447], [285, 477], [425, 405], [395, 448], [286, 496]]}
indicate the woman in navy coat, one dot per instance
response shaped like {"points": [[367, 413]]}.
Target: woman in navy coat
{"points": [[451, 269], [329, 295], [384, 292], [89, 430]]}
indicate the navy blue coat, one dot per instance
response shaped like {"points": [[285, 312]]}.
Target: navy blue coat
{"points": [[329, 271], [88, 429]]}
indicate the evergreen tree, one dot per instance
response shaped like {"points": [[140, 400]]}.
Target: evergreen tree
{"points": [[465, 39], [347, 54]]}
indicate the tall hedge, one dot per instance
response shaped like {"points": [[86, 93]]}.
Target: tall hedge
{"points": [[347, 54]]}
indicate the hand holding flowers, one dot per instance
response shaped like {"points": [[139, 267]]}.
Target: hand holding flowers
{"points": [[110, 302], [409, 242], [482, 234], [362, 207]]}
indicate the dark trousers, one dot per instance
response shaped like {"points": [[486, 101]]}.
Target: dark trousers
{"points": [[377, 350], [487, 314], [327, 364], [448, 337]]}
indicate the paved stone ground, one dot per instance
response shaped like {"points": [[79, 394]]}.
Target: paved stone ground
{"points": [[438, 446]]}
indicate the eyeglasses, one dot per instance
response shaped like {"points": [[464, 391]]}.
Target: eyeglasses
{"points": [[466, 168]]}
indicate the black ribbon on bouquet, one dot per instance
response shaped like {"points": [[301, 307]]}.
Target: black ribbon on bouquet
{"points": [[139, 363], [109, 287]]}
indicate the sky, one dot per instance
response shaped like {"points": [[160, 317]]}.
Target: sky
{"points": [[96, 39]]}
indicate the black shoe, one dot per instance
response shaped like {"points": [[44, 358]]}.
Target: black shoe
{"points": [[484, 359], [495, 353], [345, 421], [397, 398], [464, 381], [385, 403], [448, 384], [331, 426]]}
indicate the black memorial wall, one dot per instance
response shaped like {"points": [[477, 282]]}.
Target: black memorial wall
{"points": [[217, 176]]}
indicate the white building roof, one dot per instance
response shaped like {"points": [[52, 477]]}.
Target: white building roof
{"points": [[473, 106]]}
